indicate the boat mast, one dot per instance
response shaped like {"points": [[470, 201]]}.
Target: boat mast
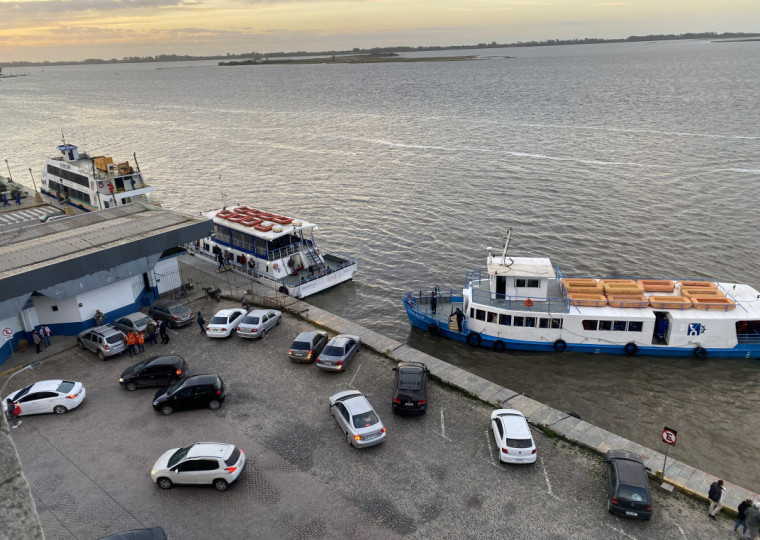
{"points": [[508, 236]]}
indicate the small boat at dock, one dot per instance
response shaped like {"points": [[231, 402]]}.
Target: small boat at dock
{"points": [[525, 303]]}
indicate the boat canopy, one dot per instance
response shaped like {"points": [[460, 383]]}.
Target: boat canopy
{"points": [[533, 267]]}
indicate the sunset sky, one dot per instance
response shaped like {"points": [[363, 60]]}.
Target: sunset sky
{"points": [[37, 30]]}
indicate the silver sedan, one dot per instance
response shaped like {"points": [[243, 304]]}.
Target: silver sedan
{"points": [[258, 323], [357, 419], [338, 352]]}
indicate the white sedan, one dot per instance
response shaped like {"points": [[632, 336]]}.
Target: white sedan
{"points": [[207, 463], [513, 437], [54, 396], [258, 323], [225, 322]]}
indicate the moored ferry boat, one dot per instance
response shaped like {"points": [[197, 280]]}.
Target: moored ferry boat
{"points": [[527, 303], [273, 248], [92, 182]]}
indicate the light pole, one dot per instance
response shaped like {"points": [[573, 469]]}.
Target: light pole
{"points": [[25, 368], [37, 196], [10, 176]]}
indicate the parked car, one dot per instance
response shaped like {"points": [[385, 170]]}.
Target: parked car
{"points": [[307, 346], [410, 388], [104, 340], [53, 396], [627, 485], [513, 437], [191, 393], [338, 352], [155, 371], [357, 419], [225, 322], [154, 533], [206, 463], [174, 313], [258, 323], [134, 322]]}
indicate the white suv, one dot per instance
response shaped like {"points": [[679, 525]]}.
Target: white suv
{"points": [[203, 463], [513, 437]]}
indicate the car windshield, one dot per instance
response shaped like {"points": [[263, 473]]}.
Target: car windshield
{"points": [[332, 350], [179, 455], [409, 381], [632, 493], [139, 366], [365, 419], [300, 345], [114, 338], [218, 320], [251, 320], [65, 387], [173, 388], [234, 456], [179, 310], [21, 393], [519, 443], [142, 322]]}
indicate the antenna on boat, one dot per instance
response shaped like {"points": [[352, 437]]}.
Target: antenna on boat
{"points": [[134, 155], [224, 194], [508, 236], [63, 137]]}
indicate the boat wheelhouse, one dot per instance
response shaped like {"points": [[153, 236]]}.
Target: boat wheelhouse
{"points": [[527, 303], [92, 182], [273, 248]]}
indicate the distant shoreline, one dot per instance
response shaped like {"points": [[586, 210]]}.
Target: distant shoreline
{"points": [[372, 58]]}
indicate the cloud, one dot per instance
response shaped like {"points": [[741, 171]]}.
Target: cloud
{"points": [[58, 6]]}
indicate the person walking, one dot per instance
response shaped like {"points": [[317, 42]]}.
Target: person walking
{"points": [[131, 343], [433, 301], [715, 493], [5, 200], [18, 197], [460, 317], [162, 331], [742, 514], [220, 258], [99, 317], [752, 521], [140, 341], [151, 329], [41, 332], [13, 411], [201, 323], [37, 340], [46, 334]]}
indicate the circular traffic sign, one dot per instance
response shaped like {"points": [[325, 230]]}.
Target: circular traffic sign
{"points": [[669, 436], [7, 332]]}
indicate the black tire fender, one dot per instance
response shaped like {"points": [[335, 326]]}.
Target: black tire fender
{"points": [[498, 345], [560, 345], [631, 349], [700, 353], [473, 339]]}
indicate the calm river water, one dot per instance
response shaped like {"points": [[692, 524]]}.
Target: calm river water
{"points": [[615, 159]]}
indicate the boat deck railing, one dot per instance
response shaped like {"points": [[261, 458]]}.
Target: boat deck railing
{"points": [[479, 284]]}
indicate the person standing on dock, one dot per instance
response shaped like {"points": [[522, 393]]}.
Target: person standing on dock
{"points": [[201, 323], [18, 197], [433, 301], [460, 317], [162, 331], [37, 340], [752, 521], [151, 329], [715, 493], [220, 258], [5, 200]]}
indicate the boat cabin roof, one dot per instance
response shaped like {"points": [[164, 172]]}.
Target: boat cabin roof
{"points": [[532, 267], [270, 235]]}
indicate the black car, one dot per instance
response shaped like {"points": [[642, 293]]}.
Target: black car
{"points": [[627, 485], [191, 393], [410, 388], [174, 313], [156, 371]]}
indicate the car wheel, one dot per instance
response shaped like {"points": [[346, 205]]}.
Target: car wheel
{"points": [[101, 356], [80, 343], [167, 410], [264, 333], [221, 484], [130, 386], [164, 483], [60, 409], [214, 405], [278, 320]]}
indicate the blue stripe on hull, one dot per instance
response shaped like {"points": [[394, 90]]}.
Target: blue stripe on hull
{"points": [[424, 322]]}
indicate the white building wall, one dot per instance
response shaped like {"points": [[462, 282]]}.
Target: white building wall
{"points": [[167, 275], [67, 310], [109, 298]]}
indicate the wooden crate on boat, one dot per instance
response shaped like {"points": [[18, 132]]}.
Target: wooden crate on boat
{"points": [[712, 302], [700, 291], [669, 302], [622, 287], [587, 299], [657, 285], [700, 284], [627, 300]]}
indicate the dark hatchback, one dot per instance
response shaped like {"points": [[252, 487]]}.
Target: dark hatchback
{"points": [[307, 346], [410, 388], [174, 313], [192, 393], [627, 485], [156, 371]]}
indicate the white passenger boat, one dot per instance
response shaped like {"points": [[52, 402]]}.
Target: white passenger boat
{"points": [[274, 248], [528, 304], [92, 182]]}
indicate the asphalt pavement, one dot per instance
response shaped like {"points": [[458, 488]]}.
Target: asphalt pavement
{"points": [[436, 476]]}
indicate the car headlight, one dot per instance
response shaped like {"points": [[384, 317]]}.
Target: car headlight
{"points": [[153, 472], [121, 379]]}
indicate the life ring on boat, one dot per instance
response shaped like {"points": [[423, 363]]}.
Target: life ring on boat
{"points": [[275, 266], [631, 349], [434, 329], [700, 353], [560, 345], [498, 345], [473, 339], [529, 303]]}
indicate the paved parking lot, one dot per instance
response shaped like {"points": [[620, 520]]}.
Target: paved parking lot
{"points": [[436, 476]]}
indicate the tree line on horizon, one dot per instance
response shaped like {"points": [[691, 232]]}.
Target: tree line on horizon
{"points": [[395, 49]]}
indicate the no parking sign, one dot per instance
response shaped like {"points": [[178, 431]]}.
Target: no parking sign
{"points": [[669, 436]]}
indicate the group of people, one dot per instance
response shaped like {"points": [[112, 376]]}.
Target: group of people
{"points": [[41, 337], [748, 511], [5, 198], [136, 340]]}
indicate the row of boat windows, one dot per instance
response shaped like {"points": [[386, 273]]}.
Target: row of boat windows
{"points": [[250, 243], [613, 326], [55, 187], [509, 320], [527, 284], [68, 175]]}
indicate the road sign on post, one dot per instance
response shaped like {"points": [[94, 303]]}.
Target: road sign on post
{"points": [[668, 437]]}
